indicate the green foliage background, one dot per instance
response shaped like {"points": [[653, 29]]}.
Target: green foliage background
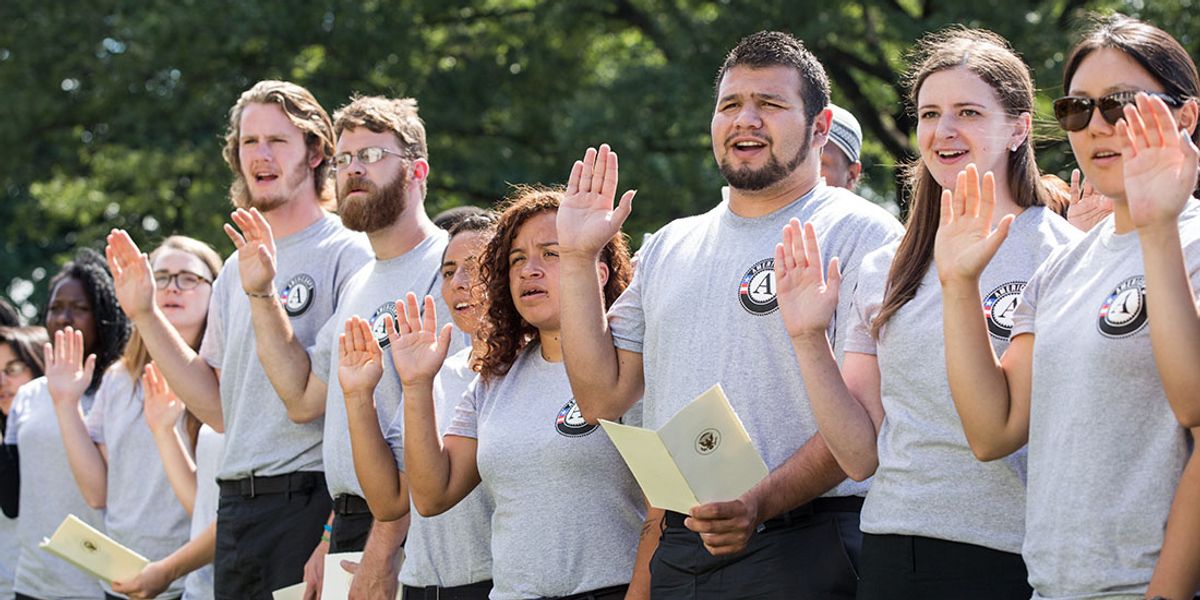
{"points": [[114, 110]]}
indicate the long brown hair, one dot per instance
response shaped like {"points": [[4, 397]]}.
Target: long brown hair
{"points": [[27, 343], [988, 56], [505, 332]]}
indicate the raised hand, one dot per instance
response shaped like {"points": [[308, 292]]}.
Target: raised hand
{"points": [[587, 219], [67, 374], [1086, 206], [965, 241], [1159, 162], [418, 347], [160, 406], [132, 276], [806, 300], [360, 360], [256, 250]]}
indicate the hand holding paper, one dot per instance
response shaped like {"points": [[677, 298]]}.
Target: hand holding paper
{"points": [[93, 552]]}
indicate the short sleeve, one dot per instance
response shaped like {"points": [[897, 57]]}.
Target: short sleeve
{"points": [[95, 417], [626, 316], [212, 346], [323, 348], [466, 415], [1026, 311], [20, 404], [394, 436], [865, 302]]}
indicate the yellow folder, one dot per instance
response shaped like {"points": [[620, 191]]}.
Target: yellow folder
{"points": [[93, 552]]}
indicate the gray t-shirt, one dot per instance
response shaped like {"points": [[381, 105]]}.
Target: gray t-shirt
{"points": [[142, 511], [48, 495], [209, 445], [1105, 450], [928, 482], [371, 293], [311, 267], [702, 310], [453, 548], [567, 511]]}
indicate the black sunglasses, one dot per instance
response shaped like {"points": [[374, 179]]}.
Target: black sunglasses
{"points": [[1075, 112]]}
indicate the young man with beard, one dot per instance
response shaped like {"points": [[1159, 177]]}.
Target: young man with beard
{"points": [[701, 310], [273, 502], [382, 168]]}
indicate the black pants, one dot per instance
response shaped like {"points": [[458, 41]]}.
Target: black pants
{"points": [[350, 531], [801, 557], [263, 541], [471, 591], [904, 566]]}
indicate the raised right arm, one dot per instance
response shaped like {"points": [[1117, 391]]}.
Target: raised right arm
{"points": [[606, 380], [196, 381]]}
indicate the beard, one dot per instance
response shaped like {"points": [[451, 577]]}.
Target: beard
{"points": [[773, 172], [299, 175], [379, 208]]}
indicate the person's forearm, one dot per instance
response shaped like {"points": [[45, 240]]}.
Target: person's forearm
{"points": [[427, 464], [192, 379], [639, 584], [808, 473], [199, 551], [374, 463], [977, 380], [178, 465], [87, 464], [1171, 306], [587, 344], [1177, 573], [286, 361], [382, 552], [844, 423]]}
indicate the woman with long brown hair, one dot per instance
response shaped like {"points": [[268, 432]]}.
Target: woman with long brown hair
{"points": [[567, 510], [1088, 381], [937, 523], [112, 449]]}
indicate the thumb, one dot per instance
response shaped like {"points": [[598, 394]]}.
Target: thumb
{"points": [[624, 207], [89, 366], [833, 281], [349, 566], [997, 236], [444, 340]]}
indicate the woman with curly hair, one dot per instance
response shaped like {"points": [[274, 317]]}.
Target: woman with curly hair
{"points": [[84, 305], [567, 510]]}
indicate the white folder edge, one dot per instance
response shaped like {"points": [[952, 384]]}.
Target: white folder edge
{"points": [[92, 552]]}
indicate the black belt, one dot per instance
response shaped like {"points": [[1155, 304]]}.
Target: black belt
{"points": [[613, 592], [819, 505], [249, 487], [471, 591], [349, 504]]}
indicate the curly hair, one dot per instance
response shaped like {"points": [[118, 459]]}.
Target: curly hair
{"points": [[112, 327], [504, 331], [303, 110]]}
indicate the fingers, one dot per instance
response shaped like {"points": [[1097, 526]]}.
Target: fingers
{"points": [[793, 244], [1124, 134], [89, 367], [369, 343], [430, 321], [624, 207], [234, 236], [608, 185], [971, 194], [715, 511], [589, 167], [812, 248], [1157, 119], [349, 566], [443, 343], [996, 237], [987, 197], [412, 313], [389, 325], [947, 212], [834, 280], [573, 180], [958, 209]]}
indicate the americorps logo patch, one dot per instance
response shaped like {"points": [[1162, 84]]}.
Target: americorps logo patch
{"points": [[1123, 312], [297, 295], [998, 308], [756, 292], [570, 421], [377, 322]]}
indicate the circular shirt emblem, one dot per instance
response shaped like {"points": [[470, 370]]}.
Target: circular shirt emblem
{"points": [[297, 295], [377, 322], [756, 291], [570, 421], [708, 441], [998, 308], [1124, 310]]}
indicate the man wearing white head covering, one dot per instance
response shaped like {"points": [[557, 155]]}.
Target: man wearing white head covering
{"points": [[839, 160]]}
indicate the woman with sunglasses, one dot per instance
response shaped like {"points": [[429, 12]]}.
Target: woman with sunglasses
{"points": [[112, 449], [82, 300], [20, 362], [1084, 380], [937, 522]]}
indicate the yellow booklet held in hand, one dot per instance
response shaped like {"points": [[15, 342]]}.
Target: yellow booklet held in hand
{"points": [[93, 552], [702, 454]]}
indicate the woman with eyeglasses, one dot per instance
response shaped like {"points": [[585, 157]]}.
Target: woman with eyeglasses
{"points": [[83, 300], [1087, 380], [20, 363], [937, 523], [112, 449]]}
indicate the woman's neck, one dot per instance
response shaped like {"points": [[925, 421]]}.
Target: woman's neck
{"points": [[551, 345]]}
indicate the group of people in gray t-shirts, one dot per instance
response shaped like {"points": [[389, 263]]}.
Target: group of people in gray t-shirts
{"points": [[973, 405]]}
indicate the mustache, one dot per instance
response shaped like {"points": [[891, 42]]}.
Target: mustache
{"points": [[358, 183]]}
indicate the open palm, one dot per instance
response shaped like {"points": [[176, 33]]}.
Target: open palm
{"points": [[965, 241], [587, 219], [1159, 162], [360, 360], [256, 249], [806, 300], [418, 347], [67, 374], [132, 276], [160, 405]]}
